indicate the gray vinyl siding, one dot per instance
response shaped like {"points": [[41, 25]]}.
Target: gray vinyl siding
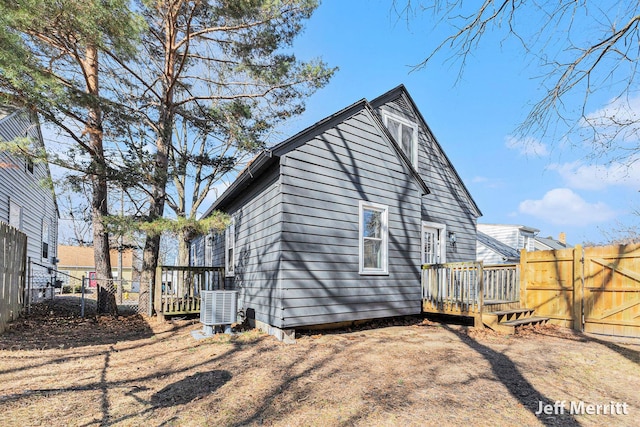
{"points": [[322, 183], [258, 218], [448, 202], [28, 190], [199, 256]]}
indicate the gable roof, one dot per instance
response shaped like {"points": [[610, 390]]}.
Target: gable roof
{"points": [[6, 111], [551, 242], [401, 91], [518, 227], [269, 157], [506, 251]]}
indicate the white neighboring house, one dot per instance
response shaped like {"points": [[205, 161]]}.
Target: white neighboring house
{"points": [[501, 243], [27, 201]]}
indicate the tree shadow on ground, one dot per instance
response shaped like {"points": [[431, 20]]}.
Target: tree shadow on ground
{"points": [[506, 371], [621, 345], [190, 388]]}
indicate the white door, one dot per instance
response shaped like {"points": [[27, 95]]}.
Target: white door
{"points": [[433, 244]]}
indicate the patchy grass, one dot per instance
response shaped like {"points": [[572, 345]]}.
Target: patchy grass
{"points": [[58, 369]]}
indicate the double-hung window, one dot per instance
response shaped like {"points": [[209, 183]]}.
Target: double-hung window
{"points": [[45, 239], [230, 248], [374, 238], [405, 133], [15, 215]]}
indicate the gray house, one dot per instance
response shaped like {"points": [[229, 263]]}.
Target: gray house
{"points": [[333, 224], [26, 201]]}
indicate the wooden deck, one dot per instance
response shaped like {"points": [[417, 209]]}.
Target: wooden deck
{"points": [[177, 288], [488, 294]]}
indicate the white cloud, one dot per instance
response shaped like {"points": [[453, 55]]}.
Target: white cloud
{"points": [[527, 147], [597, 177], [487, 182], [618, 120], [561, 206]]}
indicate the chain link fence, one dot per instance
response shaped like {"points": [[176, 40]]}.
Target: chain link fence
{"points": [[48, 283]]}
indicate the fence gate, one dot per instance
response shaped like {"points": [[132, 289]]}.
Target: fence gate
{"points": [[595, 289], [611, 290]]}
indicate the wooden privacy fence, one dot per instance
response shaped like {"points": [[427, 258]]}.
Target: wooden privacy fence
{"points": [[13, 266], [592, 289], [177, 289]]}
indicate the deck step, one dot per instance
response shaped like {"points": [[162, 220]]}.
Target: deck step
{"points": [[509, 312], [525, 321]]}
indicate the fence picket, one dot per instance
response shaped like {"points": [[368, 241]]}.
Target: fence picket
{"points": [[13, 257]]}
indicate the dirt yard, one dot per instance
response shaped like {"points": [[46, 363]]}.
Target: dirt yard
{"points": [[57, 369]]}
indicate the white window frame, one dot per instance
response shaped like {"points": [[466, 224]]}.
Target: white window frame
{"points": [[413, 156], [193, 254], [15, 215], [208, 249], [230, 243], [384, 268], [45, 239], [442, 241]]}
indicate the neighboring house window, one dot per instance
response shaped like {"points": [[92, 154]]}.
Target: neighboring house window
{"points": [[208, 252], [374, 238], [192, 254], [30, 164], [230, 248], [45, 239], [405, 133], [15, 215], [434, 249], [524, 242]]}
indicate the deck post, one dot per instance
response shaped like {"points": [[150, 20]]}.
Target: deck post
{"points": [[578, 291], [478, 322], [157, 294], [523, 278]]}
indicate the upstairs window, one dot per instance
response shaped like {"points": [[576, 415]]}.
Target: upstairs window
{"points": [[374, 238], [406, 135]]}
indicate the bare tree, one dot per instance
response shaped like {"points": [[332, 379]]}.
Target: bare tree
{"points": [[583, 49]]}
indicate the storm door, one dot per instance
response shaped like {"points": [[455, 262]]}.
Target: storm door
{"points": [[433, 249]]}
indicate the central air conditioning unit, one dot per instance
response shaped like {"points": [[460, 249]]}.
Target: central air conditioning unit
{"points": [[218, 309]]}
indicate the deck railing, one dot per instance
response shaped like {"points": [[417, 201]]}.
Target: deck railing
{"points": [[502, 282], [464, 288], [177, 289], [453, 287]]}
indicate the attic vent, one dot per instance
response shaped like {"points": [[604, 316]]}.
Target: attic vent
{"points": [[402, 104]]}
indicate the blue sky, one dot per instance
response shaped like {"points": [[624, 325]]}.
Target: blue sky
{"points": [[539, 184]]}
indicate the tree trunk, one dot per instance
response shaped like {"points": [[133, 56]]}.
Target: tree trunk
{"points": [[166, 115], [183, 247], [99, 207]]}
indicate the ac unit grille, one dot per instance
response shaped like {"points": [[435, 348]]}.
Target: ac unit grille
{"points": [[218, 307]]}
